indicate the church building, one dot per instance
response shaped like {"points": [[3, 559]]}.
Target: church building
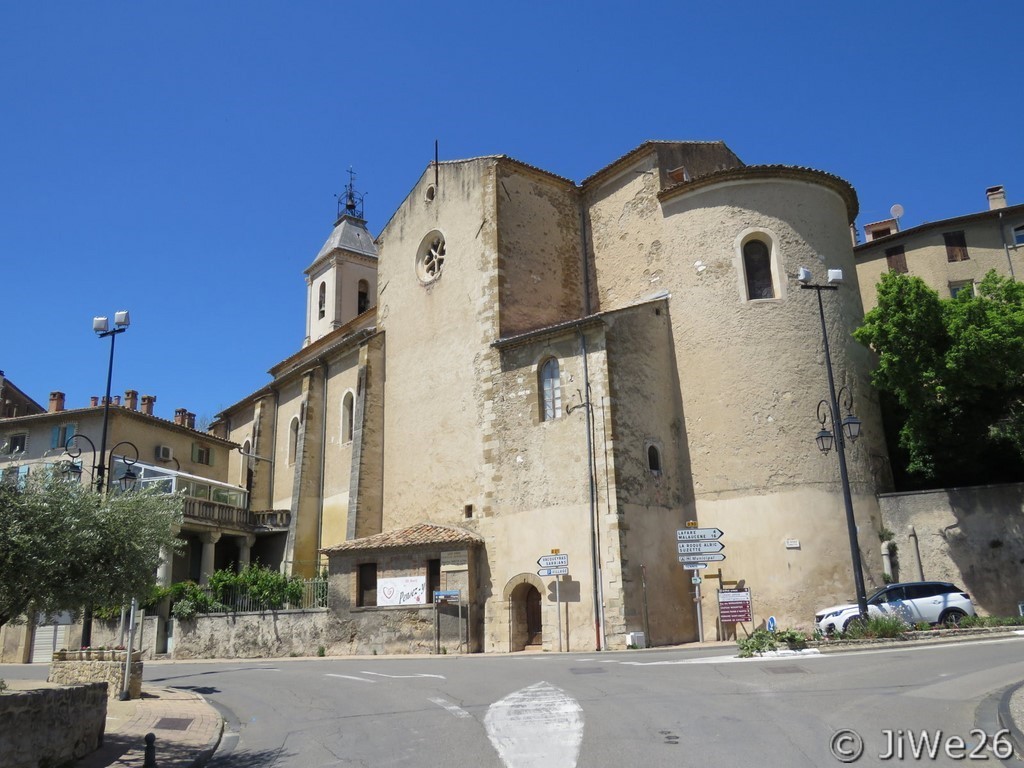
{"points": [[523, 368]]}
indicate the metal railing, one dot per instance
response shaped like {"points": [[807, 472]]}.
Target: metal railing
{"points": [[238, 600]]}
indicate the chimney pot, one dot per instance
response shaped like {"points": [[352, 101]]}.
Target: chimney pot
{"points": [[190, 420], [56, 402], [131, 399], [180, 415], [117, 399], [147, 404], [996, 197], [94, 401]]}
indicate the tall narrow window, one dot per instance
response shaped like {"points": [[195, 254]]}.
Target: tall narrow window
{"points": [[366, 588], [346, 418], [551, 391], [896, 259], [654, 459], [1018, 235], [293, 439], [322, 301], [433, 578], [757, 264], [956, 246], [364, 297]]}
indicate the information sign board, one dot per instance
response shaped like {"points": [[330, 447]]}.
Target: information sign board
{"points": [[734, 605]]}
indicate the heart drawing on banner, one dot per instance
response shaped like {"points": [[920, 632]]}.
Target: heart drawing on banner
{"points": [[389, 592]]}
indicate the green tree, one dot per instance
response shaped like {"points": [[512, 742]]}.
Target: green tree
{"points": [[951, 372], [63, 546]]}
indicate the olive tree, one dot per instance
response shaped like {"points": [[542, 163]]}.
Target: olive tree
{"points": [[63, 546]]}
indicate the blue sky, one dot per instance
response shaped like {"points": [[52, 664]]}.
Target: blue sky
{"points": [[181, 160]]}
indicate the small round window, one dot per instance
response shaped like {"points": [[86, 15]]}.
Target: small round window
{"points": [[431, 256]]}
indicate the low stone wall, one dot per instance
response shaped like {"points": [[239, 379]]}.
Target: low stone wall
{"points": [[253, 635], [51, 726], [971, 536], [71, 667], [148, 635]]}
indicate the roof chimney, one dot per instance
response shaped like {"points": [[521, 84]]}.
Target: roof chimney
{"points": [[56, 402], [996, 197], [131, 399], [94, 401], [190, 420], [117, 399], [147, 404], [180, 417]]}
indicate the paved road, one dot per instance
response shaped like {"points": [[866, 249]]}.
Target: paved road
{"points": [[655, 708]]}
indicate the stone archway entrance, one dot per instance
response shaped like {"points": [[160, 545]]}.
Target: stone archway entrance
{"points": [[526, 620]]}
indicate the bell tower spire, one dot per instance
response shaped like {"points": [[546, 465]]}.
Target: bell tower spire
{"points": [[341, 283]]}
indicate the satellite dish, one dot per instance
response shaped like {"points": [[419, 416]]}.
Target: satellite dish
{"points": [[896, 211]]}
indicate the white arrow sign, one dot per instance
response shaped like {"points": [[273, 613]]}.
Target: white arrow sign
{"points": [[705, 558], [698, 534], [694, 566], [553, 571], [553, 561], [686, 547]]}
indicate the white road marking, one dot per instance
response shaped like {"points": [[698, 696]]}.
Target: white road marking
{"points": [[455, 709], [350, 677], [538, 727], [400, 677]]}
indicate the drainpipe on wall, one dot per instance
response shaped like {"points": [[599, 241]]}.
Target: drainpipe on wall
{"points": [[595, 535], [1006, 247], [912, 533]]}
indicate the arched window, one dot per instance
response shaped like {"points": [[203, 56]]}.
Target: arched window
{"points": [[364, 297], [293, 440], [757, 265], [346, 418], [654, 459], [322, 301], [550, 390]]}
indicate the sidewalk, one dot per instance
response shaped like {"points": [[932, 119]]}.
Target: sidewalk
{"points": [[186, 727]]}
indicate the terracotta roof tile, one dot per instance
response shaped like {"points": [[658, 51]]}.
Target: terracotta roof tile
{"points": [[421, 534]]}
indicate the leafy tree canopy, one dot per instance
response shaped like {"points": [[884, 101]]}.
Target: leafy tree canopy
{"points": [[954, 373], [63, 546]]}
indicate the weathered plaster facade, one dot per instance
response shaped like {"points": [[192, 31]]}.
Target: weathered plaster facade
{"points": [[679, 396]]}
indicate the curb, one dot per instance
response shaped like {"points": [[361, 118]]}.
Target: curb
{"points": [[915, 642], [1005, 719]]}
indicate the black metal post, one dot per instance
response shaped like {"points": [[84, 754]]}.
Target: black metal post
{"points": [[851, 523], [102, 466]]}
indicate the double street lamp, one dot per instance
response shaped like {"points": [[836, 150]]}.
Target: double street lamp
{"points": [[842, 429], [102, 329], [128, 478]]}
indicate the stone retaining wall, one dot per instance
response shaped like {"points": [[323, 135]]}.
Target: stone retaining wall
{"points": [[253, 635], [71, 667], [51, 726]]}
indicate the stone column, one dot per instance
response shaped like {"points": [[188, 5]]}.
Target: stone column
{"points": [[244, 549], [209, 540], [166, 567]]}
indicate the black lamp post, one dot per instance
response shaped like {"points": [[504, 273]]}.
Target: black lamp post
{"points": [[128, 477], [827, 438], [100, 326]]}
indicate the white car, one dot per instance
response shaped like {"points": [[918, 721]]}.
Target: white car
{"points": [[914, 602]]}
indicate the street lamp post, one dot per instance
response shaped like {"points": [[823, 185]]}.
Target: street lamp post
{"points": [[100, 326], [850, 425]]}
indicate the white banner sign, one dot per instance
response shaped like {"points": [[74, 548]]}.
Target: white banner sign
{"points": [[402, 590]]}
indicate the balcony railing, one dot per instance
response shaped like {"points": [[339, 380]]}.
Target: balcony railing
{"points": [[225, 514]]}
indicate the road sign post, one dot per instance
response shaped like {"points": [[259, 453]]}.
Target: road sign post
{"points": [[555, 565]]}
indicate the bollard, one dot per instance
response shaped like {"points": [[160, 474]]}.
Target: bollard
{"points": [[149, 761]]}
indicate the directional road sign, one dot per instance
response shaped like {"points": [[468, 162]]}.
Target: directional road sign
{"points": [[689, 547], [705, 558], [698, 534], [553, 571], [694, 566], [553, 561]]}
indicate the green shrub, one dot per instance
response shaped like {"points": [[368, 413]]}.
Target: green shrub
{"points": [[760, 641], [321, 651], [794, 638], [877, 627]]}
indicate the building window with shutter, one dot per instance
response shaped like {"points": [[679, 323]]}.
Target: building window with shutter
{"points": [[201, 454], [896, 259], [956, 246]]}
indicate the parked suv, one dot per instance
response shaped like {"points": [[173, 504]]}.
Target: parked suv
{"points": [[934, 602]]}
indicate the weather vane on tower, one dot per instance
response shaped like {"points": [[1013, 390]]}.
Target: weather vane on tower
{"points": [[351, 203]]}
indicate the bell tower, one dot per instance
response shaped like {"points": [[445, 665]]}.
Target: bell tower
{"points": [[341, 283]]}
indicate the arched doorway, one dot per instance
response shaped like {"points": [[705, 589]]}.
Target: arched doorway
{"points": [[526, 623]]}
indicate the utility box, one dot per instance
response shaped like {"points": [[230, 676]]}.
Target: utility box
{"points": [[638, 639]]}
